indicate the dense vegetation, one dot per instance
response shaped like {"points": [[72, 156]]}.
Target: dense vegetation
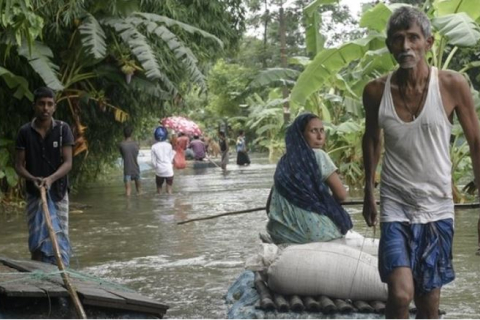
{"points": [[115, 62], [110, 62]]}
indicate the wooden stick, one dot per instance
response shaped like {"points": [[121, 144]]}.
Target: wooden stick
{"points": [[56, 249], [213, 162], [222, 214], [347, 203]]}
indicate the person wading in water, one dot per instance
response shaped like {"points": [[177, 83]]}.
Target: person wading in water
{"points": [[414, 105]]}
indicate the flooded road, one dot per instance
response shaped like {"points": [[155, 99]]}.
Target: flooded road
{"points": [[136, 241]]}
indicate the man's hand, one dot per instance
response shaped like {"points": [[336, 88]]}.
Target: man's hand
{"points": [[37, 181], [370, 211], [46, 183]]}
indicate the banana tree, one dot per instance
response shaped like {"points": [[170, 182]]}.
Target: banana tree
{"points": [[344, 146], [266, 118], [112, 61], [455, 24]]}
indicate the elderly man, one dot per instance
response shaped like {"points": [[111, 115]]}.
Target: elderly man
{"points": [[415, 105]]}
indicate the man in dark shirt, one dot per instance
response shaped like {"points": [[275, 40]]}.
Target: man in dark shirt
{"points": [[44, 158], [198, 147], [223, 149], [131, 171]]}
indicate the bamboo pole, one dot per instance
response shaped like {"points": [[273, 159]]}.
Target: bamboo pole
{"points": [[222, 214], [213, 162], [66, 280], [347, 203]]}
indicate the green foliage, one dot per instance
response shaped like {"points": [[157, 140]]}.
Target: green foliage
{"points": [[110, 61], [93, 37], [345, 70], [7, 172], [225, 83], [265, 119], [344, 145]]}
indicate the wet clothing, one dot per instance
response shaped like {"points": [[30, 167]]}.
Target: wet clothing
{"points": [[129, 150], [39, 238], [182, 142], [243, 158], [180, 146], [162, 155], [241, 144], [242, 155], [298, 178], [289, 223], [160, 180], [417, 211], [198, 148], [416, 170], [224, 152], [424, 248], [43, 156], [128, 177]]}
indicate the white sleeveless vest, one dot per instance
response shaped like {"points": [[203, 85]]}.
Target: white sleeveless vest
{"points": [[416, 181]]}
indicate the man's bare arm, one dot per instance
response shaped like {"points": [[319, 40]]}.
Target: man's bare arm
{"points": [[468, 119], [371, 147]]}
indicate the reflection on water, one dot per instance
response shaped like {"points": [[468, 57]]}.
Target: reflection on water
{"points": [[136, 241]]}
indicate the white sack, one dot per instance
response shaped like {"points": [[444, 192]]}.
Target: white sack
{"points": [[327, 268], [356, 240], [266, 254]]}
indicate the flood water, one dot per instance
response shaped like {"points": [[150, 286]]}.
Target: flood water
{"points": [[136, 242]]}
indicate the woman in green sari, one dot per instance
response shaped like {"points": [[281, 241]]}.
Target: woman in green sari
{"points": [[304, 204]]}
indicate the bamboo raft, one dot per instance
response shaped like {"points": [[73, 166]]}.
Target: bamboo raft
{"points": [[34, 289], [266, 304], [272, 301]]}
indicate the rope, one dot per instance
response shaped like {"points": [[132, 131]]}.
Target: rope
{"points": [[41, 275], [359, 256]]}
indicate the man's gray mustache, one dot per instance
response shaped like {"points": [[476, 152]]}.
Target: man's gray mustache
{"points": [[403, 55]]}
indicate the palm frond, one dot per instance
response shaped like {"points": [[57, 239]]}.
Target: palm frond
{"points": [[93, 37], [273, 76], [16, 82], [186, 27], [149, 88], [39, 57], [180, 51]]}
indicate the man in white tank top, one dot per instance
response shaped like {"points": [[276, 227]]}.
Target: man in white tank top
{"points": [[414, 106]]}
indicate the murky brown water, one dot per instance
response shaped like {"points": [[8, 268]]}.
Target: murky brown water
{"points": [[136, 241]]}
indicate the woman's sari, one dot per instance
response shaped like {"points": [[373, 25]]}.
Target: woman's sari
{"points": [[301, 201]]}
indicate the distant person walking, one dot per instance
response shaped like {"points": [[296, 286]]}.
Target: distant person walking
{"points": [[131, 171], [180, 146], [162, 160], [44, 157], [242, 156], [223, 149]]}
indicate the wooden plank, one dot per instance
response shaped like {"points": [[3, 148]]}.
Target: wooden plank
{"points": [[21, 290], [130, 307], [49, 288], [14, 283], [92, 293], [90, 290], [135, 298], [29, 265]]}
